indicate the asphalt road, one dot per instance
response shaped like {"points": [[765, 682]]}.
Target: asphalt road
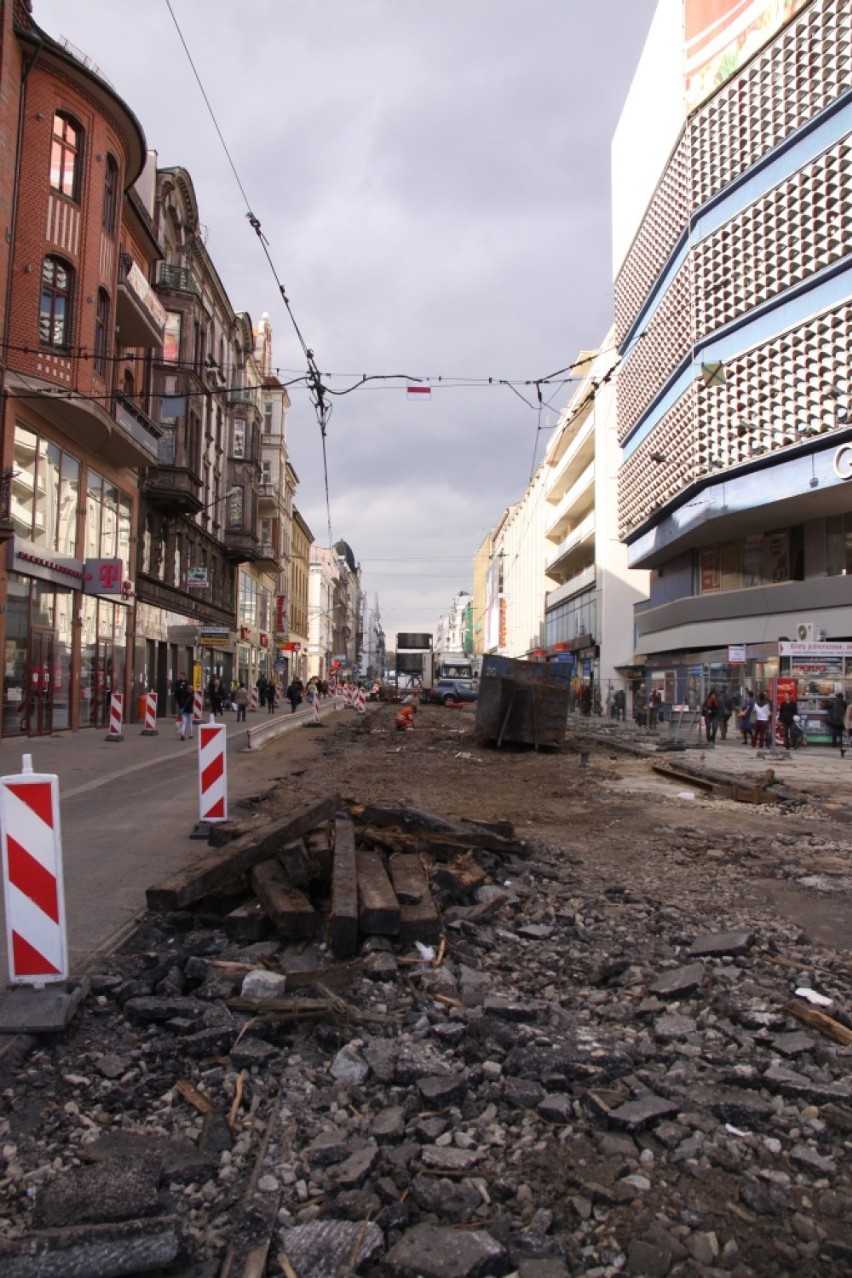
{"points": [[128, 809]]}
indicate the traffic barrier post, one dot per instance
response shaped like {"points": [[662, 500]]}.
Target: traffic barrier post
{"points": [[212, 776], [150, 729], [197, 705], [116, 716], [32, 877], [255, 699]]}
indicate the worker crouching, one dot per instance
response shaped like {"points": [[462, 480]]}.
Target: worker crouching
{"points": [[405, 718]]}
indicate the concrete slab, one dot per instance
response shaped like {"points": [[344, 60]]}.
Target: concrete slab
{"points": [[26, 1010]]}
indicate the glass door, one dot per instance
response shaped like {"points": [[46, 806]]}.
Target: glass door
{"points": [[40, 682]]}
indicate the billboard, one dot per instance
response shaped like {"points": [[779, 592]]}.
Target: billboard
{"points": [[721, 35], [409, 640]]}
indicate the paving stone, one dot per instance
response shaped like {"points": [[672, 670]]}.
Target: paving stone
{"points": [[643, 1112], [683, 980], [325, 1248], [714, 943], [430, 1251]]}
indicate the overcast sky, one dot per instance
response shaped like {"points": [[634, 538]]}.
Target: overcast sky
{"points": [[433, 181]]}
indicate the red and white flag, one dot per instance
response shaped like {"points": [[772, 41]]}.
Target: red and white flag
{"points": [[418, 392]]}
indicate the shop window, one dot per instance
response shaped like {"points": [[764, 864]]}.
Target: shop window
{"points": [[45, 492], [838, 545], [110, 211], [57, 279], [102, 333], [66, 156]]}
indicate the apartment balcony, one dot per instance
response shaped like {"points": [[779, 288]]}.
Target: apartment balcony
{"points": [[137, 441], [268, 556], [572, 549], [177, 279], [567, 464], [243, 397], [270, 495], [241, 546], [174, 487], [574, 505], [585, 579], [140, 317]]}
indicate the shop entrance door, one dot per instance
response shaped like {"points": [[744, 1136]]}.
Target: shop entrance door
{"points": [[41, 683], [103, 682]]}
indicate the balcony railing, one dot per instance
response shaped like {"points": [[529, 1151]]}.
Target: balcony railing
{"points": [[246, 395], [138, 426], [177, 279], [575, 538], [140, 315]]}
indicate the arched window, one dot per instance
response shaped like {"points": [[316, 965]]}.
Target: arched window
{"points": [[110, 195], [57, 283], [66, 155], [102, 332]]}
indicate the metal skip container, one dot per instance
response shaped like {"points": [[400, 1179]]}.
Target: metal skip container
{"points": [[523, 702]]}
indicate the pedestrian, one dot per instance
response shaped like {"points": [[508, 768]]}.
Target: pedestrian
{"points": [[787, 712], [241, 700], [294, 694], [836, 714], [311, 692], [184, 703], [216, 694], [746, 717], [640, 706], [654, 714], [269, 694], [260, 685], [710, 713], [847, 721], [762, 715], [618, 704], [725, 710], [586, 700]]}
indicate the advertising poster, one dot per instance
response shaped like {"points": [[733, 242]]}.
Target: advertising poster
{"points": [[710, 575], [732, 565], [777, 546], [721, 35], [752, 562]]}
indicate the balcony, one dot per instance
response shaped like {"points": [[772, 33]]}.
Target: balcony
{"points": [[267, 556], [576, 503], [138, 434], [241, 546], [243, 396], [583, 580], [569, 546], [177, 279], [174, 487], [140, 317]]}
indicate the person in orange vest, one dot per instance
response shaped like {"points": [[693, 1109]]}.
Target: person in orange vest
{"points": [[405, 718]]}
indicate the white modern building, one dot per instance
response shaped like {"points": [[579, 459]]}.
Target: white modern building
{"points": [[732, 181]]}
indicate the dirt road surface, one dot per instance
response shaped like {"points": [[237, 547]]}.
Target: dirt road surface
{"points": [[607, 1069]]}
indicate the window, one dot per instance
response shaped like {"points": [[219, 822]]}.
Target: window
{"points": [[110, 215], [267, 419], [54, 323], [66, 156], [266, 472], [45, 492], [239, 448], [102, 332]]}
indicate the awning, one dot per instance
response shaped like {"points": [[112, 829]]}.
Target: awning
{"points": [[636, 662]]}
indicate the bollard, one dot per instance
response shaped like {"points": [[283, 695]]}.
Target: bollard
{"points": [[212, 776], [150, 729], [116, 715], [197, 705], [360, 700], [255, 699], [32, 877]]}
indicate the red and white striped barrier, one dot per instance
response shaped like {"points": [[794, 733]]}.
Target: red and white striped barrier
{"points": [[197, 705], [116, 716], [347, 696], [254, 704], [316, 707], [212, 772], [360, 700], [150, 729], [32, 877]]}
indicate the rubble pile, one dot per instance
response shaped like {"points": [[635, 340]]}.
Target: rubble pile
{"points": [[552, 1079]]}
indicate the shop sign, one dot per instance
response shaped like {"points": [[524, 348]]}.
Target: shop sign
{"points": [[246, 634], [264, 641], [291, 646], [736, 654], [103, 576], [214, 636], [196, 578]]}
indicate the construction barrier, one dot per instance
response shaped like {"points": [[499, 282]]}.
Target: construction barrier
{"points": [[360, 700], [212, 772], [254, 704], [197, 705], [116, 716], [32, 877], [150, 729]]}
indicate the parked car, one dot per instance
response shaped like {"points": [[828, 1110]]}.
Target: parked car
{"points": [[449, 692]]}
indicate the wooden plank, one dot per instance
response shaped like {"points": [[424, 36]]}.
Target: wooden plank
{"points": [[320, 846], [418, 917], [378, 908], [343, 919], [289, 909], [817, 1020], [294, 858], [224, 865], [247, 922]]}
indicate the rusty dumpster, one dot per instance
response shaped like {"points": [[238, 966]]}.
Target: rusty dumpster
{"points": [[523, 702]]}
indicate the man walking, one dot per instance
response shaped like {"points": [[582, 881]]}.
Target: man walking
{"points": [[183, 695]]}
